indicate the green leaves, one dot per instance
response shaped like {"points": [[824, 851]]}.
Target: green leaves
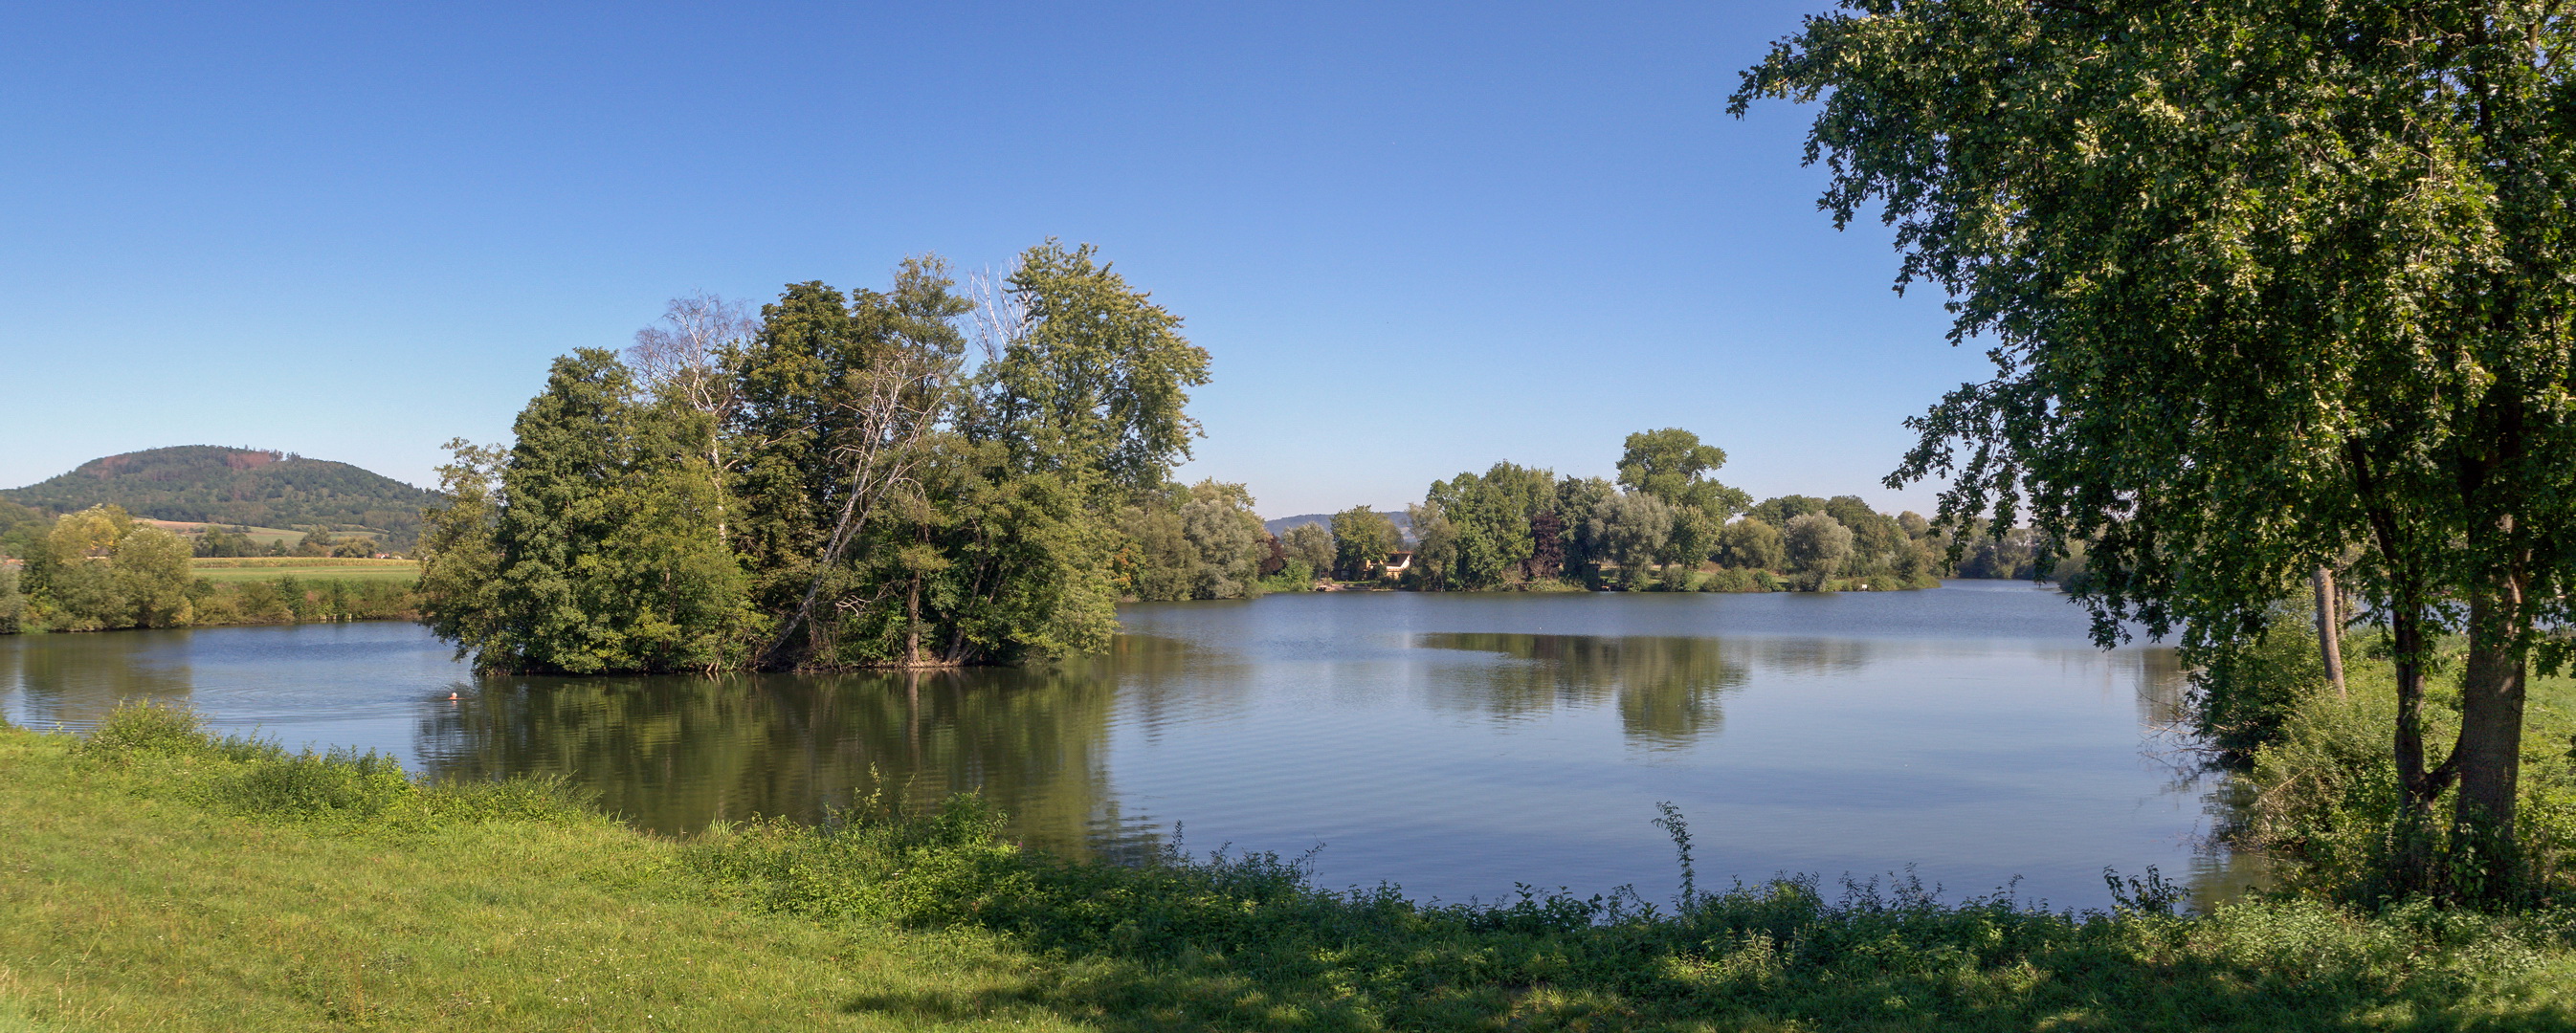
{"points": [[2267, 282], [832, 491]]}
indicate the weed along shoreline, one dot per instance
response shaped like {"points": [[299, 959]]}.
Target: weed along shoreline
{"points": [[165, 876]]}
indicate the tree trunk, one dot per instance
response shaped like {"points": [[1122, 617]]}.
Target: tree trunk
{"points": [[2330, 631], [2489, 754], [2410, 859], [912, 623]]}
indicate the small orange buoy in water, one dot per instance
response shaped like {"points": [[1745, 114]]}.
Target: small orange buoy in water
{"points": [[451, 696]]}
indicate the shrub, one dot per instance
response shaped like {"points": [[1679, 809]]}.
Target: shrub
{"points": [[2326, 797], [257, 777], [1732, 579], [2243, 690], [146, 727], [341, 783]]}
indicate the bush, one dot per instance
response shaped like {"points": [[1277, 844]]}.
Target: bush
{"points": [[2326, 797], [257, 777], [146, 727], [1732, 579], [2243, 690]]}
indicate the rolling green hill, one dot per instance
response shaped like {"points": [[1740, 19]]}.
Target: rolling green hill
{"points": [[236, 486]]}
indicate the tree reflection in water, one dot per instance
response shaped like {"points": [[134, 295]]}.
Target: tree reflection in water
{"points": [[73, 680], [1668, 690], [674, 754]]}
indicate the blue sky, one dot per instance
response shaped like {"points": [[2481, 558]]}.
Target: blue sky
{"points": [[1415, 239]]}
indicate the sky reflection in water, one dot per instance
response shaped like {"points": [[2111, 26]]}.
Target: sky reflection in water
{"points": [[1456, 745]]}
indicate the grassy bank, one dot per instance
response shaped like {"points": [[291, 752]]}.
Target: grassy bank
{"points": [[158, 879], [167, 886]]}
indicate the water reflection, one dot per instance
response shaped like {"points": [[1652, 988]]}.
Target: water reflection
{"points": [[1667, 689], [74, 680], [674, 754], [1455, 745]]}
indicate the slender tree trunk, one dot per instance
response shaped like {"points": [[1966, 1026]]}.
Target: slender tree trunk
{"points": [[2489, 753], [715, 469], [2330, 630], [912, 623]]}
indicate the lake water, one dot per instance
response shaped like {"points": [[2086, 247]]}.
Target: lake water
{"points": [[1454, 744]]}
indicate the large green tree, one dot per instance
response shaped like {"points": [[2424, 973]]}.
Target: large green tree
{"points": [[1362, 539], [837, 407], [2264, 280], [601, 557], [1817, 546], [1488, 540], [1671, 464], [1093, 381], [1199, 542], [1310, 545]]}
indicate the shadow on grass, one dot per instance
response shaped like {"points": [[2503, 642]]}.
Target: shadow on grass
{"points": [[1247, 943]]}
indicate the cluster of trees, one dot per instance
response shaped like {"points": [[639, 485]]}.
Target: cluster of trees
{"points": [[914, 476], [91, 570], [1663, 524], [100, 569], [1198, 542]]}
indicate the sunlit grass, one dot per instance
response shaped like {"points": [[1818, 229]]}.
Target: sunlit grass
{"points": [[123, 906], [270, 568]]}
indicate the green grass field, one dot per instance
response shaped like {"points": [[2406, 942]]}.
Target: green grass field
{"points": [[123, 906], [270, 568], [264, 536]]}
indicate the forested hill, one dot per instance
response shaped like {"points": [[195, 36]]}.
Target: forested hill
{"points": [[234, 486], [1402, 522]]}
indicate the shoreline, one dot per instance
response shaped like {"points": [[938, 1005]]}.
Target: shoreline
{"points": [[168, 877]]}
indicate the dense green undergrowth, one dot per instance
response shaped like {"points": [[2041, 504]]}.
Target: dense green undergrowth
{"points": [[133, 837], [2325, 789]]}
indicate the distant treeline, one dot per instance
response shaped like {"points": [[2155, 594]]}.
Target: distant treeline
{"points": [[215, 541], [99, 569], [1662, 525]]}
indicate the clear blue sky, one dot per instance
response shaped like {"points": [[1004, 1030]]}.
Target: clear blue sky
{"points": [[1416, 239]]}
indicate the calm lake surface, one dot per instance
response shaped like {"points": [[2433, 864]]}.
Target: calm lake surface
{"points": [[1453, 744]]}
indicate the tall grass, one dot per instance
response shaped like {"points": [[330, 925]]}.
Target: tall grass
{"points": [[1247, 940]]}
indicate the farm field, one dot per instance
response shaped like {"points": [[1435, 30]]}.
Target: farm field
{"points": [[264, 536], [302, 568]]}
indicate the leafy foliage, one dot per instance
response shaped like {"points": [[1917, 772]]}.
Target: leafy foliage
{"points": [[2267, 282], [1817, 545], [1200, 542], [833, 488], [97, 569], [1362, 539]]}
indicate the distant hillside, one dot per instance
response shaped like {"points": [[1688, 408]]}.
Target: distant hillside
{"points": [[1403, 523], [210, 484]]}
